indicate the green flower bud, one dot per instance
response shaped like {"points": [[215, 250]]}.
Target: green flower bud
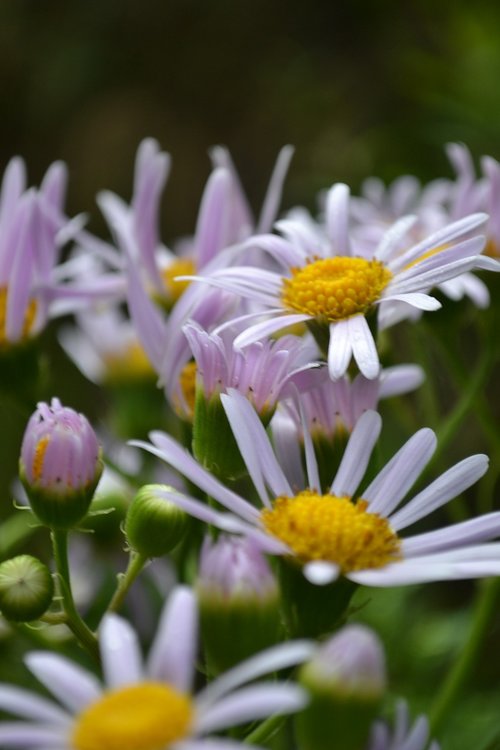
{"points": [[26, 588], [60, 464], [239, 602], [346, 680], [154, 525]]}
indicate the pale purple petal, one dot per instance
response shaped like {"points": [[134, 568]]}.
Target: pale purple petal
{"points": [[250, 703], [400, 379], [254, 445], [480, 529], [357, 454], [170, 451], [272, 198], [393, 482], [413, 571], [212, 225], [32, 736], [268, 661], [267, 328], [212, 743], [287, 448], [392, 239], [173, 653], [120, 652], [24, 703], [73, 686], [449, 485]]}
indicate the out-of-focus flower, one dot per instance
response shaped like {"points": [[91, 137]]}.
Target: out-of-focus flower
{"points": [[148, 706], [342, 530], [404, 736]]}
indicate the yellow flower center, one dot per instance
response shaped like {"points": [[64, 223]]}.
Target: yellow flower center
{"points": [[131, 365], [187, 382], [492, 249], [335, 288], [147, 716], [174, 288], [29, 317], [326, 527]]}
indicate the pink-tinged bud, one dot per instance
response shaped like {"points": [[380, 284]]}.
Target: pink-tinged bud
{"points": [[346, 679], [239, 601], [60, 464]]}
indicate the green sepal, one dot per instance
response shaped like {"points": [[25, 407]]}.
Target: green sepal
{"points": [[214, 445]]}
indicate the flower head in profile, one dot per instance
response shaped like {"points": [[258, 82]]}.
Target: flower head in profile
{"points": [[404, 735], [342, 530], [145, 705], [326, 285]]}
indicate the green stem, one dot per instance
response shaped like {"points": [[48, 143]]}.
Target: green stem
{"points": [[485, 606], [74, 622], [125, 580], [265, 731]]}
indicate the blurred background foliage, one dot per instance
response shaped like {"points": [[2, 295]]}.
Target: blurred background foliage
{"points": [[359, 88]]}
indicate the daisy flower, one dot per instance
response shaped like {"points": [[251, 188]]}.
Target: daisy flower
{"points": [[325, 285], [404, 736], [341, 530], [146, 706]]}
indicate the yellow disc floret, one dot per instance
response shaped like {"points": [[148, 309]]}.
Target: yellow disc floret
{"points": [[29, 317], [146, 716], [184, 406], [335, 288], [180, 267], [326, 527], [130, 365]]}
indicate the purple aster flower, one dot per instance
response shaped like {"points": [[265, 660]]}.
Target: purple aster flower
{"points": [[60, 464], [342, 529], [147, 704], [325, 285]]}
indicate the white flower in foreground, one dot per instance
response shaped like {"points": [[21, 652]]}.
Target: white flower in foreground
{"points": [[323, 283], [404, 736], [344, 530], [146, 706]]}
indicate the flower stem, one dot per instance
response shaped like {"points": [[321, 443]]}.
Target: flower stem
{"points": [[484, 608], [125, 580], [74, 622], [265, 730]]}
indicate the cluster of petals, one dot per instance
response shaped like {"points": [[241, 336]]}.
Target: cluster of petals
{"points": [[224, 703], [462, 550]]}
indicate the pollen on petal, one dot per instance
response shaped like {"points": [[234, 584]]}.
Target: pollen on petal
{"points": [[336, 288], [39, 456]]}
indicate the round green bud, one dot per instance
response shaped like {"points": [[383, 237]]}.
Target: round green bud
{"points": [[26, 588], [154, 525]]}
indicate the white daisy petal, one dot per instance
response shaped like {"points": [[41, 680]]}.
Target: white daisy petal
{"points": [[393, 482], [363, 346], [251, 703], [31, 736], [481, 529], [416, 299], [449, 485], [215, 743], [120, 652], [321, 572], [69, 683], [357, 454], [267, 328], [337, 218], [254, 445], [172, 655], [413, 571], [339, 349], [268, 661], [21, 702], [170, 451], [392, 239]]}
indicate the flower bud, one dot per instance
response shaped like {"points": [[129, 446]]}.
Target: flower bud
{"points": [[154, 525], [26, 588], [60, 464], [346, 680], [239, 601]]}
